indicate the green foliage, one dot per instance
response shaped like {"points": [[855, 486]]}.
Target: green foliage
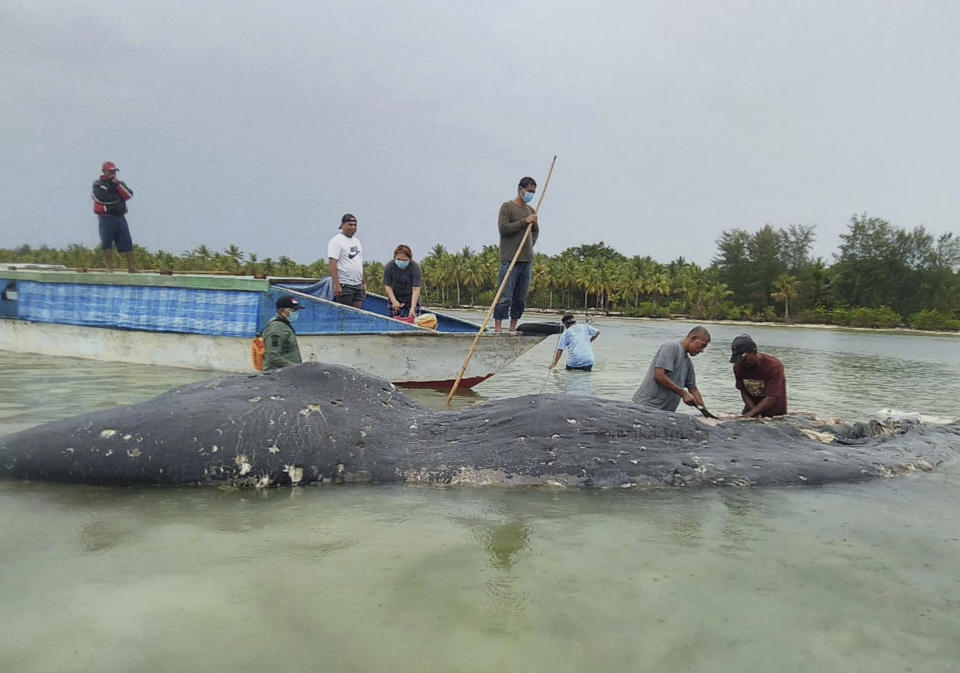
{"points": [[882, 271], [882, 317], [930, 320]]}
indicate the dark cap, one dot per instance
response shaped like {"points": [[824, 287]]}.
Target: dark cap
{"points": [[289, 302], [109, 166], [568, 320], [347, 218], [742, 344]]}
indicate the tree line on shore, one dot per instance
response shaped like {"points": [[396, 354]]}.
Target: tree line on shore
{"points": [[881, 276]]}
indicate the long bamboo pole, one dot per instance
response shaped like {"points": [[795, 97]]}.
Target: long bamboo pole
{"points": [[503, 284]]}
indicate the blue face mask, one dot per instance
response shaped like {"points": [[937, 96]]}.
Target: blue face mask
{"points": [[294, 315], [527, 197], [402, 263]]}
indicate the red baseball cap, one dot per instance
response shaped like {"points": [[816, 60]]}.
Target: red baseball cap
{"points": [[109, 166]]}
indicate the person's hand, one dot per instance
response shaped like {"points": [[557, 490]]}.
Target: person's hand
{"points": [[530, 219], [337, 290], [688, 398], [413, 313], [395, 305]]}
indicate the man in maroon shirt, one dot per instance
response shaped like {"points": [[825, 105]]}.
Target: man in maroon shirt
{"points": [[760, 379]]}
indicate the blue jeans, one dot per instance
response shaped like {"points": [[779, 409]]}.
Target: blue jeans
{"points": [[514, 297]]}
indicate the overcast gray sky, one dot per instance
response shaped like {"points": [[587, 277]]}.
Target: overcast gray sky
{"points": [[260, 123]]}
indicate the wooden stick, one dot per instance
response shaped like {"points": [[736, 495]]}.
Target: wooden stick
{"points": [[503, 284]]}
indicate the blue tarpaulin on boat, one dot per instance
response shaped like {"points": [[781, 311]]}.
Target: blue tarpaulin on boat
{"points": [[8, 305], [157, 309]]}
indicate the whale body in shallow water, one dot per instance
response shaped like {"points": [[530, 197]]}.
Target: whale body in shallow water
{"points": [[327, 423]]}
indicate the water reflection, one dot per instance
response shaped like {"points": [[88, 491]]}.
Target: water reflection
{"points": [[503, 542], [861, 577]]}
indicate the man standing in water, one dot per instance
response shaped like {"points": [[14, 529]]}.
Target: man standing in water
{"points": [[671, 377], [346, 264], [515, 216], [110, 196], [576, 340], [760, 379]]}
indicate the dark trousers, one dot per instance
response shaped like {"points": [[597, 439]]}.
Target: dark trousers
{"points": [[514, 297]]}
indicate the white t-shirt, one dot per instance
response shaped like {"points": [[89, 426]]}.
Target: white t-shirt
{"points": [[349, 255]]}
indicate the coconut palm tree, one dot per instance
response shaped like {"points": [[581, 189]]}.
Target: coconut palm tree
{"points": [[657, 284], [716, 298], [232, 257], [787, 288]]}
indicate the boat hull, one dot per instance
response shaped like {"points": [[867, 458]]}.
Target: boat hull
{"points": [[416, 359]]}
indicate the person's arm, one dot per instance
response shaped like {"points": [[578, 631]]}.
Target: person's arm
{"points": [[556, 358], [697, 397], [508, 227], [595, 334], [335, 277], [125, 192], [662, 378], [394, 304], [761, 406], [414, 301]]}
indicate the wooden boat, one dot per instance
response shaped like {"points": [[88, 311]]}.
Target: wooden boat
{"points": [[208, 321]]}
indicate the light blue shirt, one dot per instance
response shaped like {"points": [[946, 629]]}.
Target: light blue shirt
{"points": [[576, 342]]}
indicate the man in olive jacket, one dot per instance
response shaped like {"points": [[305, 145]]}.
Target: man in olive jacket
{"points": [[279, 338]]}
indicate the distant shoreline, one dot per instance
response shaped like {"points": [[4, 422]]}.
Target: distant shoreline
{"points": [[750, 323]]}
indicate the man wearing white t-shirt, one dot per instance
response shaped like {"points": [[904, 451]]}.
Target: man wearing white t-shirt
{"points": [[346, 264]]}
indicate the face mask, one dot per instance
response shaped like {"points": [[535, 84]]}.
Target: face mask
{"points": [[294, 316], [401, 263], [527, 197]]}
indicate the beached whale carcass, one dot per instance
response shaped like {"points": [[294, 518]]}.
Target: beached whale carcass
{"points": [[332, 424]]}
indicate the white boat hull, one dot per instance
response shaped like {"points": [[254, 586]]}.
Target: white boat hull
{"points": [[428, 359]]}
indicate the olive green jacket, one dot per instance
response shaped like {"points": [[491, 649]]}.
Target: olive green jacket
{"points": [[280, 345]]}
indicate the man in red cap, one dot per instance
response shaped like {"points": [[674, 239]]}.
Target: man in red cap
{"points": [[110, 197]]}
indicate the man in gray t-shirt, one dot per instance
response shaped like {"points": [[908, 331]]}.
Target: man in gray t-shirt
{"points": [[671, 372]]}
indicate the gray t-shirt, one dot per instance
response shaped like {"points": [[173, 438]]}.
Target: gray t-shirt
{"points": [[679, 367]]}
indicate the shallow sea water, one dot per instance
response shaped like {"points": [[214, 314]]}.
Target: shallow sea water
{"points": [[846, 577]]}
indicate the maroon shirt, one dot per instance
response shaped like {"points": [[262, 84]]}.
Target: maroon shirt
{"points": [[766, 379]]}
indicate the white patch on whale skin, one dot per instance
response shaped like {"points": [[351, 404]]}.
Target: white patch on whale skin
{"points": [[273, 449], [295, 472], [311, 409], [214, 448], [572, 421], [133, 453], [127, 438], [109, 452], [69, 449], [243, 463], [263, 481], [107, 434], [254, 399], [822, 437]]}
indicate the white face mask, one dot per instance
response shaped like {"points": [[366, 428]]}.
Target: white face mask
{"points": [[294, 316], [527, 197]]}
